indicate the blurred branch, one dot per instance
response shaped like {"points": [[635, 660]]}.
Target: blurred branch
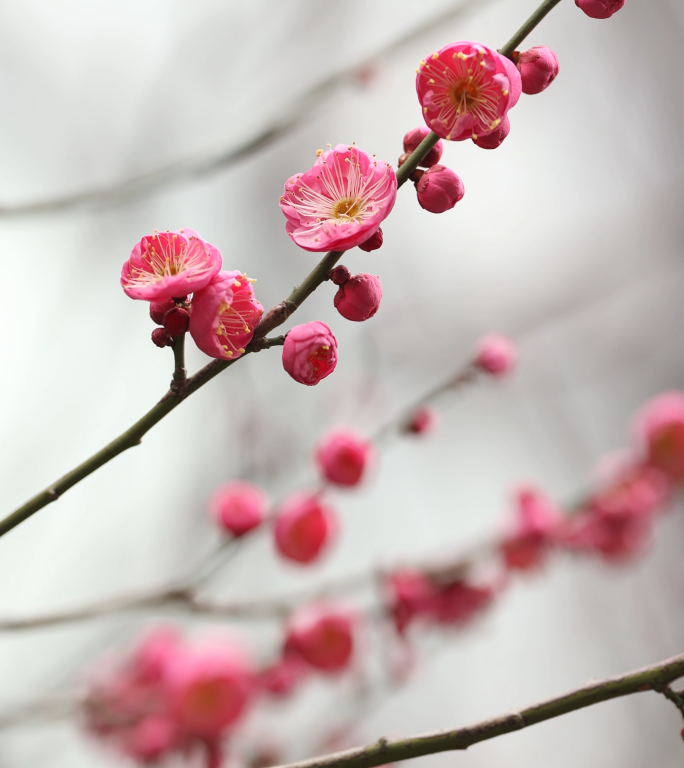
{"points": [[293, 114], [393, 750]]}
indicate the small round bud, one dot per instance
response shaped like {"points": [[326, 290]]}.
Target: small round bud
{"points": [[339, 275], [495, 355], [304, 526], [538, 68], [238, 507], [495, 139], [413, 139], [323, 635], [424, 420], [343, 457], [177, 321], [159, 308], [439, 189], [373, 243], [359, 298], [310, 352], [600, 9], [160, 338]]}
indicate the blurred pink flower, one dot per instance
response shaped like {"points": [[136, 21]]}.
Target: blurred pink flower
{"points": [[359, 298], [169, 265], [538, 68], [304, 527], [343, 457], [224, 315], [423, 421], [538, 521], [413, 138], [310, 352], [600, 9], [659, 427], [238, 507], [466, 89], [495, 355], [323, 634], [439, 189], [340, 202], [282, 678]]}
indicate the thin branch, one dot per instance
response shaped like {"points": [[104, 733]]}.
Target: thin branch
{"points": [[527, 27], [294, 114], [393, 750]]}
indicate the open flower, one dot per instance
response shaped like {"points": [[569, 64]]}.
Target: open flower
{"points": [[466, 89], [167, 265], [224, 315], [339, 202]]}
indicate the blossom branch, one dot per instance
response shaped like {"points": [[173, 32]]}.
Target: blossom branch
{"points": [[651, 678], [546, 7]]}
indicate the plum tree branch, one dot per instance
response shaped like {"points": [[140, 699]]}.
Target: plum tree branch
{"points": [[383, 751]]}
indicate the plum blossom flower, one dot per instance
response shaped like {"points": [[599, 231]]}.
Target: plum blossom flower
{"points": [[323, 634], [538, 519], [304, 527], [439, 189], [339, 202], [310, 352], [168, 265], [466, 89], [238, 507], [358, 299], [343, 457], [659, 427], [224, 315], [538, 68], [495, 355], [600, 9]]}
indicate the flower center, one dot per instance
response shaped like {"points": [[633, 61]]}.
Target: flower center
{"points": [[466, 95], [347, 208]]}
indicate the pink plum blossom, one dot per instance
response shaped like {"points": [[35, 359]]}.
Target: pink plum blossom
{"points": [[466, 89], [238, 507], [538, 68], [340, 202], [343, 457], [495, 139], [358, 299], [224, 315], [323, 634], [495, 355], [600, 9], [310, 352], [413, 139], [169, 265], [659, 427], [439, 189], [538, 520], [304, 527]]}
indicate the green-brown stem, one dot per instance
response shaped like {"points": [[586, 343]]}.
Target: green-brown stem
{"points": [[527, 27]]}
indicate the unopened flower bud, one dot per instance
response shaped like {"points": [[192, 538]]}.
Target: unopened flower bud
{"points": [[439, 189], [310, 352], [495, 139], [413, 139], [303, 527], [238, 507], [359, 298], [323, 634], [373, 243], [340, 274], [160, 338], [423, 420], [177, 321], [495, 355], [159, 308], [600, 9], [538, 68], [343, 457]]}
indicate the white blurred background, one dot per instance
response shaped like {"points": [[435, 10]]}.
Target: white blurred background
{"points": [[569, 239]]}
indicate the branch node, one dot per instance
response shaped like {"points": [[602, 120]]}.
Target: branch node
{"points": [[274, 317], [53, 493]]}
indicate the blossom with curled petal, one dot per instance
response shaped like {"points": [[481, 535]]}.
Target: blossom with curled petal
{"points": [[310, 352], [339, 202], [224, 315], [466, 89], [167, 265]]}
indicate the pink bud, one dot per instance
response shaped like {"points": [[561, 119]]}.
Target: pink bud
{"points": [[281, 679], [600, 9], [660, 431], [538, 68], [238, 507], [324, 636], [343, 456], [524, 548], [495, 138], [439, 189], [160, 338], [340, 274], [424, 420], [159, 308], [414, 138], [304, 525], [373, 243], [177, 321], [495, 355], [310, 352], [359, 298]]}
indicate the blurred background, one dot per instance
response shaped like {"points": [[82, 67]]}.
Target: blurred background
{"points": [[119, 118]]}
